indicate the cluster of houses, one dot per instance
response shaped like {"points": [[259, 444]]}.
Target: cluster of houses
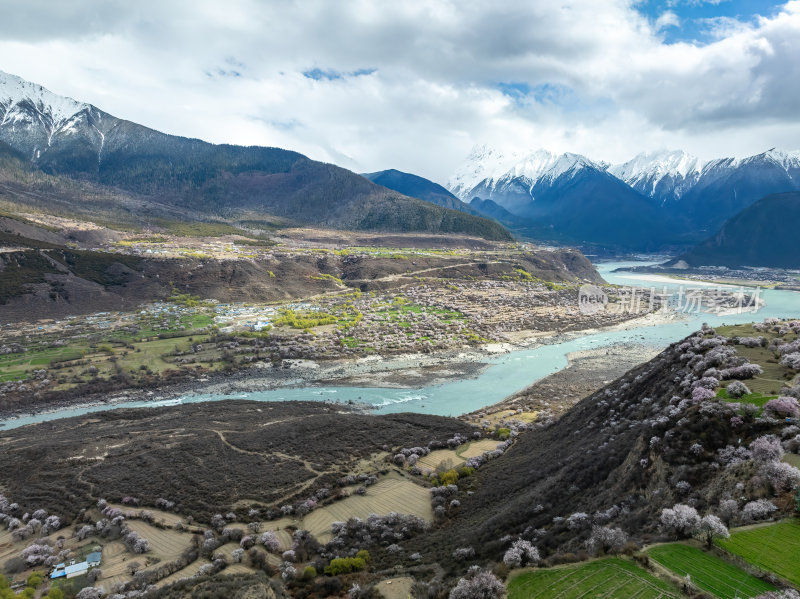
{"points": [[231, 317], [76, 569]]}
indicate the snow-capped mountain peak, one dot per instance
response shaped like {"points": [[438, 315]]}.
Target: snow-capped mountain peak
{"points": [[483, 162], [786, 160], [20, 98], [488, 167], [42, 125], [661, 163], [665, 174]]}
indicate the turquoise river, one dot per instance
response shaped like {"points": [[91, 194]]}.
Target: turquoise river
{"points": [[506, 373]]}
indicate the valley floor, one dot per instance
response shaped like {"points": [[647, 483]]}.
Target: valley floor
{"points": [[586, 372]]}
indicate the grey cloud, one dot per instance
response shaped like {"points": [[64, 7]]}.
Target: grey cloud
{"points": [[39, 20], [412, 84]]}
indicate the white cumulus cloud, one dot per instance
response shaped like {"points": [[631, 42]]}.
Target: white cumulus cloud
{"points": [[413, 85]]}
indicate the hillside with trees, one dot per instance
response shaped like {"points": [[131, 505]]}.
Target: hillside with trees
{"points": [[664, 464], [621, 465]]}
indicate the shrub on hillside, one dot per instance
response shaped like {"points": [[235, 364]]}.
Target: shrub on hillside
{"points": [[345, 565]]}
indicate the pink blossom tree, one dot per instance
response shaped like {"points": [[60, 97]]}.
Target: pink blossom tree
{"points": [[737, 389], [520, 553], [783, 407], [782, 476], [680, 519], [270, 541], [606, 539], [478, 585], [766, 448], [710, 528]]}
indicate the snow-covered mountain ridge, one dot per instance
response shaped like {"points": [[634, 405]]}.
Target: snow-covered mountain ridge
{"points": [[663, 175], [40, 124], [490, 166], [15, 92], [670, 190]]}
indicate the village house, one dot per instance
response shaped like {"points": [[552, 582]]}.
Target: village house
{"points": [[76, 569]]}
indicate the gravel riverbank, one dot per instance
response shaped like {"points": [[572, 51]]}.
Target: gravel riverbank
{"points": [[408, 371]]}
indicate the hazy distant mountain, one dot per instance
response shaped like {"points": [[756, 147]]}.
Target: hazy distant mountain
{"points": [[707, 194], [728, 185], [61, 136], [570, 195], [763, 234], [566, 198], [418, 187]]}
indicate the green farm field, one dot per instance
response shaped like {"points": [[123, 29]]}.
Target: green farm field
{"points": [[775, 548], [451, 458], [793, 459], [609, 578], [708, 572]]}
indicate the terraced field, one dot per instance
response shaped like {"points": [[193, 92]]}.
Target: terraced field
{"points": [[166, 518], [187, 572], [227, 550], [451, 458], [775, 376], [441, 458], [236, 569], [775, 548], [608, 578], [6, 546], [708, 572], [390, 494], [395, 588], [476, 448], [115, 558], [165, 544], [279, 528]]}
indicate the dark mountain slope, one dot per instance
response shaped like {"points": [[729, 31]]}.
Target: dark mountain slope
{"points": [[727, 186], [418, 187], [763, 234], [25, 187], [494, 210], [64, 137], [161, 464], [589, 206]]}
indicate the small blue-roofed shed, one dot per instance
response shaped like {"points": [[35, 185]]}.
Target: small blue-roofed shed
{"points": [[93, 559]]}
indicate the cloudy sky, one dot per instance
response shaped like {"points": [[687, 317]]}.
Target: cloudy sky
{"points": [[413, 85]]}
